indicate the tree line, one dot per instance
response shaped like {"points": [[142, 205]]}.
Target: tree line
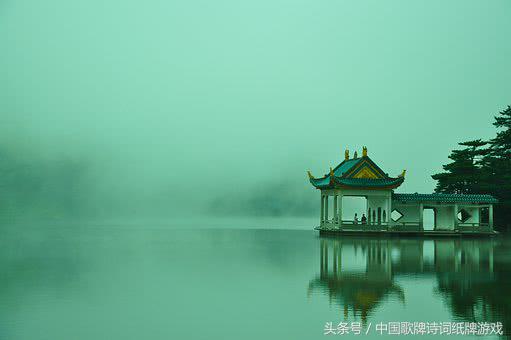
{"points": [[483, 167]]}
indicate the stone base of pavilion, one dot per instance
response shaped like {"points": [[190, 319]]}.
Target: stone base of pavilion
{"points": [[411, 229]]}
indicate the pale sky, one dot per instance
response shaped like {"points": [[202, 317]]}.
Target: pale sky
{"points": [[192, 99]]}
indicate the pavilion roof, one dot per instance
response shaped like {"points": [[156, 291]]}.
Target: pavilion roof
{"points": [[324, 183], [445, 198], [358, 172]]}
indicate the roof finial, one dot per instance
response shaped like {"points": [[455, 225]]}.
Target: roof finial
{"points": [[331, 175], [310, 175], [355, 155], [346, 154], [403, 173], [364, 151]]}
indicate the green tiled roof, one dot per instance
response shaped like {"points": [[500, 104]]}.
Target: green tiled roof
{"points": [[445, 198], [346, 166], [344, 175], [367, 182], [321, 183], [324, 183]]}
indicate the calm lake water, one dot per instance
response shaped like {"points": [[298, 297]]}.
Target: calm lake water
{"points": [[238, 280]]}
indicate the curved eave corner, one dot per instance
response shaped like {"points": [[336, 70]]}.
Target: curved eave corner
{"points": [[321, 183]]}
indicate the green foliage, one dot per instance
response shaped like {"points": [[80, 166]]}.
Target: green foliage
{"points": [[463, 174], [483, 167], [501, 144]]}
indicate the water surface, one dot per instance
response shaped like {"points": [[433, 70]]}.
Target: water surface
{"points": [[163, 281]]}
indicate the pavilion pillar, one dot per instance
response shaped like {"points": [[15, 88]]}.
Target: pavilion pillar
{"points": [[455, 217], [367, 209], [326, 208], [389, 210], [335, 209], [339, 211], [490, 216], [421, 217], [322, 211]]}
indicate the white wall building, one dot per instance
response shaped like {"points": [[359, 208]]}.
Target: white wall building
{"points": [[387, 211]]}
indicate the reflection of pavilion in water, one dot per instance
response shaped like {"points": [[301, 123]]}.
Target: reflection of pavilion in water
{"points": [[358, 274]]}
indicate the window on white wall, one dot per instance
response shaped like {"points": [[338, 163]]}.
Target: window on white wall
{"points": [[463, 215], [396, 215]]}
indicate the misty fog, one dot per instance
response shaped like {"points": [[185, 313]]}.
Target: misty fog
{"points": [[198, 108]]}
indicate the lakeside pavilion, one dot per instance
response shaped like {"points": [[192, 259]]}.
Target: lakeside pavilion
{"points": [[387, 211]]}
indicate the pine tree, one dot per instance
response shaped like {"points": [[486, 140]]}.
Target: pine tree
{"points": [[463, 175], [497, 164], [501, 144]]}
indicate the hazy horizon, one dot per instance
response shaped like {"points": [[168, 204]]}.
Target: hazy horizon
{"points": [[193, 107]]}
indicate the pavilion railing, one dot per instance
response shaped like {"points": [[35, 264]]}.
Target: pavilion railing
{"points": [[404, 224], [398, 226], [360, 223], [465, 224], [474, 227]]}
